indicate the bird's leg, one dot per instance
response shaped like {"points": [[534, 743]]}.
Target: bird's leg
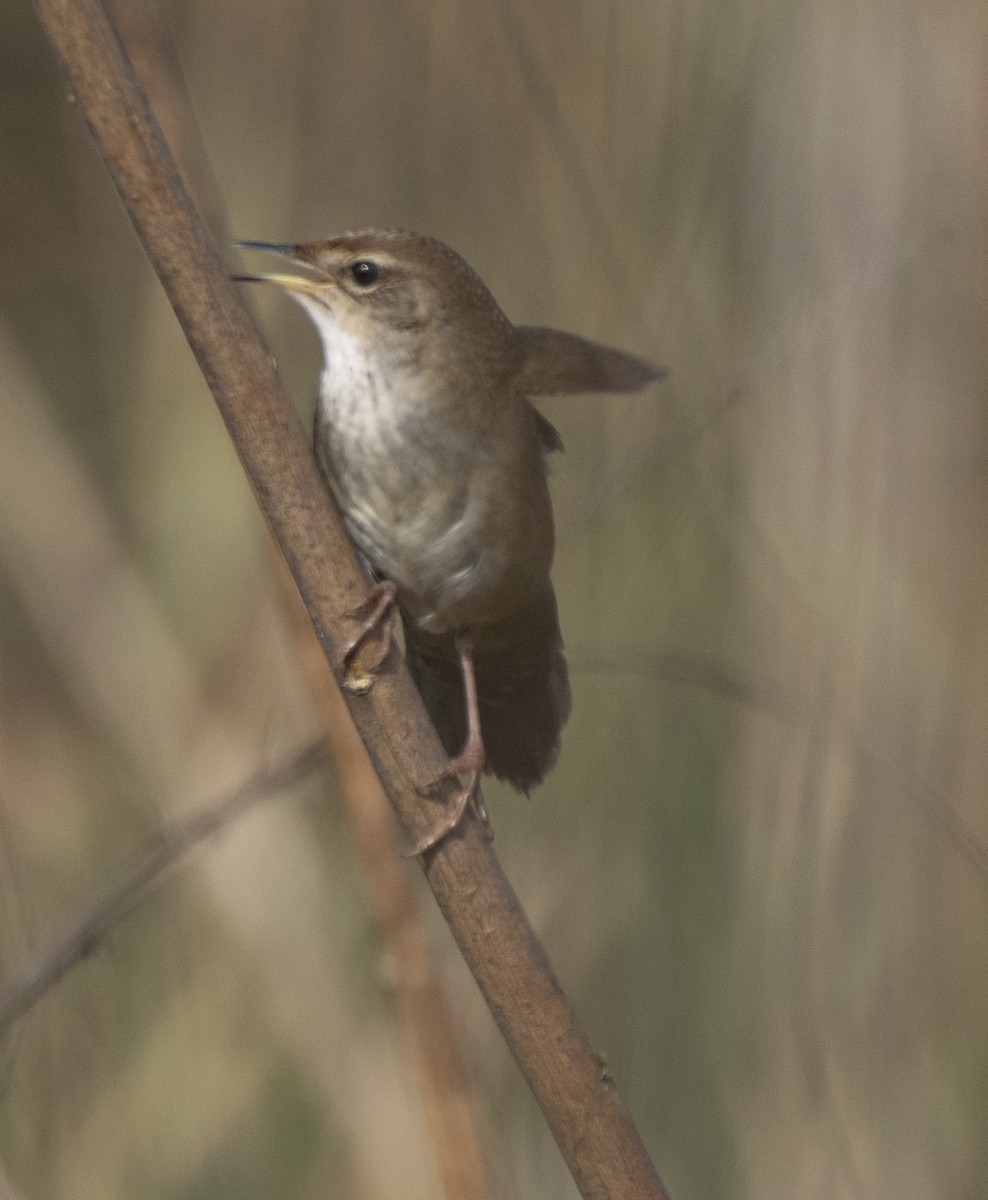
{"points": [[469, 762], [377, 616]]}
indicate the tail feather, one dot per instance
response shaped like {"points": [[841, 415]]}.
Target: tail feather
{"points": [[522, 689]]}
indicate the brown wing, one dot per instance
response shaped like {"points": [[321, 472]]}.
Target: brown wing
{"points": [[552, 362]]}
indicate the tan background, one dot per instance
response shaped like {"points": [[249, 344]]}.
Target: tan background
{"points": [[761, 865]]}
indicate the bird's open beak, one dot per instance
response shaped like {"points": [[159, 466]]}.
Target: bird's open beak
{"points": [[291, 283]]}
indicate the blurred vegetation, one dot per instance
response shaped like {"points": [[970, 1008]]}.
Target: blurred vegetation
{"points": [[760, 867]]}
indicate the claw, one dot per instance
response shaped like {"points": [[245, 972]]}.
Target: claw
{"points": [[469, 762], [377, 615]]}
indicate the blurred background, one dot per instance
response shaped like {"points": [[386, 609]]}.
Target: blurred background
{"points": [[760, 868]]}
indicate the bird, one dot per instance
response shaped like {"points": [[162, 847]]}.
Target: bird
{"points": [[427, 436]]}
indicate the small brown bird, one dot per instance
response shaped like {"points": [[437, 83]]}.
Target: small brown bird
{"points": [[438, 461]]}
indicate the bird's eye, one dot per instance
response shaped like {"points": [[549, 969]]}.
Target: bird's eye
{"points": [[365, 273]]}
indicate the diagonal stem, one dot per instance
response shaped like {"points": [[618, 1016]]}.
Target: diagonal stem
{"points": [[599, 1142]]}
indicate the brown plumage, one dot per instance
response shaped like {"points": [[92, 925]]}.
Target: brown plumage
{"points": [[438, 461]]}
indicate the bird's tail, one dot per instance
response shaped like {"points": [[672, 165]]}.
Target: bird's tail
{"points": [[522, 689]]}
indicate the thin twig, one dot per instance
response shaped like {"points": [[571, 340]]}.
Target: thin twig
{"points": [[599, 1142], [422, 1009], [137, 881]]}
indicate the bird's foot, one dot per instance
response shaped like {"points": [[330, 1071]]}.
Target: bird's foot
{"points": [[469, 763], [377, 616]]}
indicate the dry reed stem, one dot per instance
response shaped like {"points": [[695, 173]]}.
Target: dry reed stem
{"points": [[599, 1142]]}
